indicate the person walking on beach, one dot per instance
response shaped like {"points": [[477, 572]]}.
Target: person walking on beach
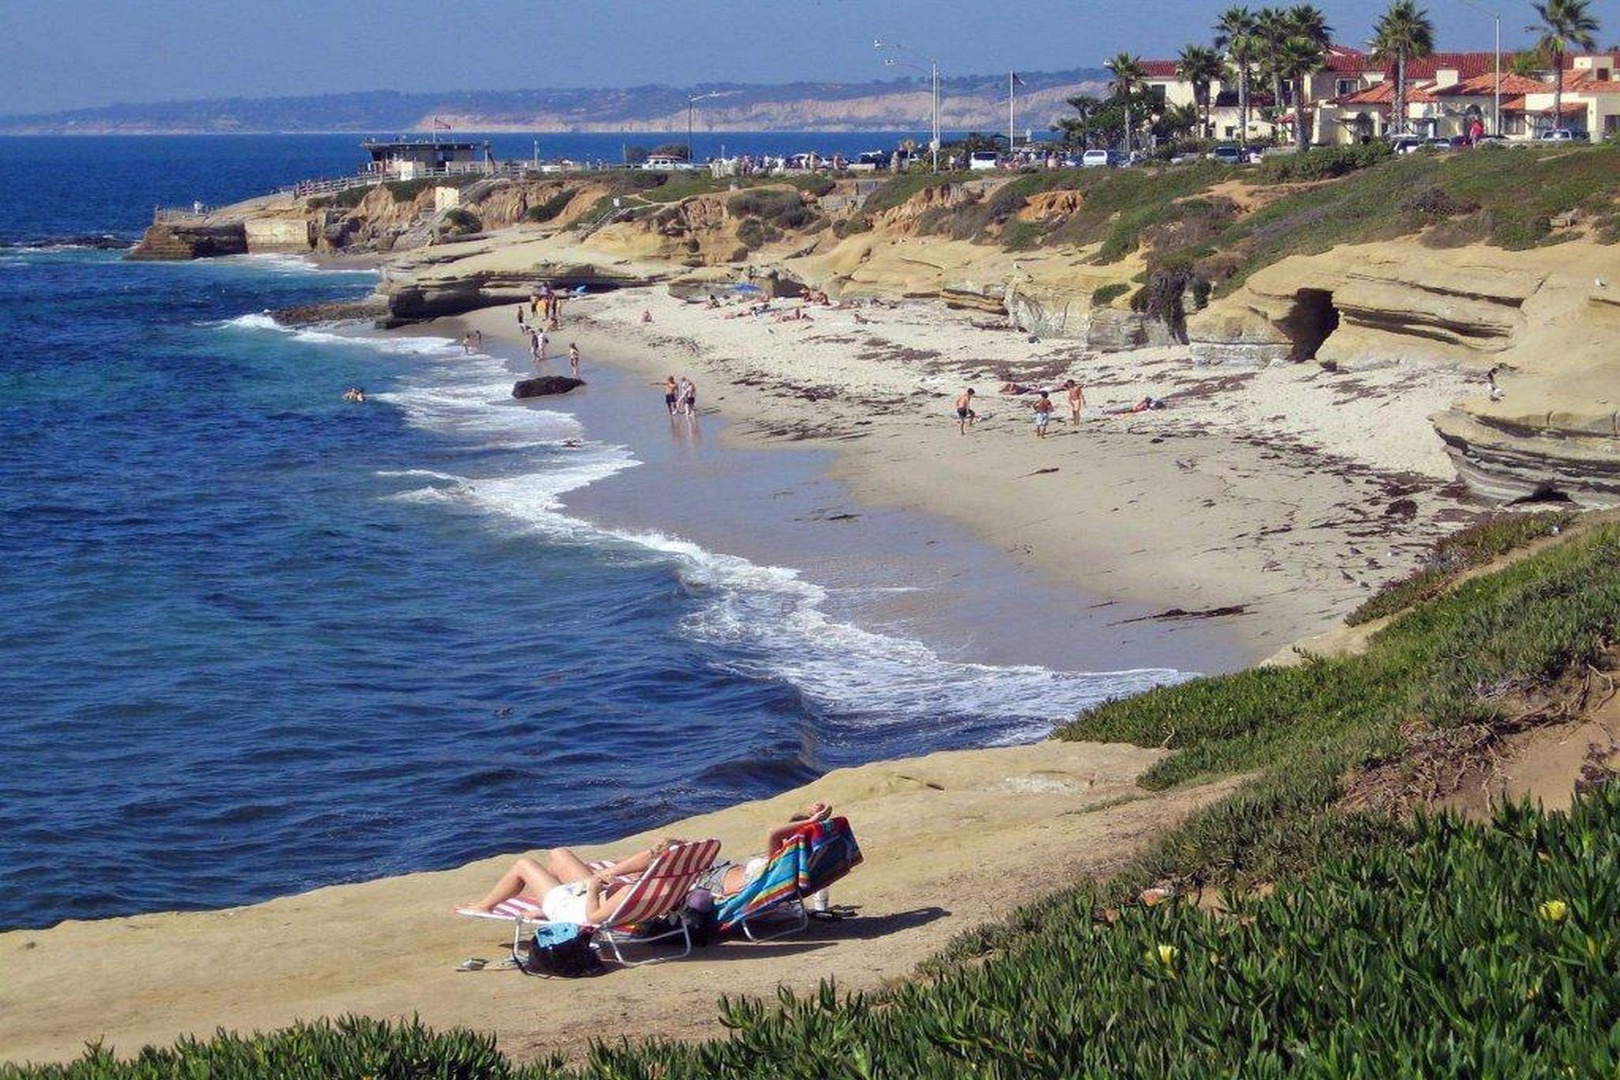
{"points": [[686, 390], [521, 323], [478, 339], [467, 343], [573, 359], [964, 411], [1077, 400], [556, 311], [671, 394], [1043, 413]]}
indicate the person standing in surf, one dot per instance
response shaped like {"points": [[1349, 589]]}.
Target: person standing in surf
{"points": [[573, 359]]}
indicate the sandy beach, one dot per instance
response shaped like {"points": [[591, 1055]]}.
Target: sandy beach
{"points": [[1277, 496], [1250, 511]]}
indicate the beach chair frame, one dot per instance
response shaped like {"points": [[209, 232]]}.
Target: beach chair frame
{"points": [[660, 891]]}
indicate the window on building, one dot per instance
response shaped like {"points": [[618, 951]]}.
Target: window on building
{"points": [[1345, 86]]}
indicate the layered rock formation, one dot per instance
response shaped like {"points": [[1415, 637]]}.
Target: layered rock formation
{"points": [[1544, 319]]}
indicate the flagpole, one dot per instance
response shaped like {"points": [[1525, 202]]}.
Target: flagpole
{"points": [[1011, 75]]}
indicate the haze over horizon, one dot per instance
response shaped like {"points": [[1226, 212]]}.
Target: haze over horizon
{"points": [[177, 50]]}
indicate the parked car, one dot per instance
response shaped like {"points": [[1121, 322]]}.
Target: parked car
{"points": [[1095, 159], [1227, 154], [1562, 135], [1437, 143], [983, 159], [664, 163], [1407, 144]]}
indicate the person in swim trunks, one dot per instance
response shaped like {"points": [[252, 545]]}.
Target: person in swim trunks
{"points": [[964, 411], [1043, 414]]}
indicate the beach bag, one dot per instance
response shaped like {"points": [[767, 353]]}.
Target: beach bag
{"points": [[561, 949], [698, 915]]}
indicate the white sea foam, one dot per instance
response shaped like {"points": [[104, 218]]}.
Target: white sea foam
{"points": [[287, 264], [767, 622]]}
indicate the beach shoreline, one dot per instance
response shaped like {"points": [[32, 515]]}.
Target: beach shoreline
{"points": [[1238, 505]]}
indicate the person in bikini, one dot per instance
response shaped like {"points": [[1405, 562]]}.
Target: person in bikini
{"points": [[1077, 400], [725, 878], [566, 887]]}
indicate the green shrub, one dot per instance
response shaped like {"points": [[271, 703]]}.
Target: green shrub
{"points": [[860, 223], [1323, 162], [1474, 546], [1021, 235], [1103, 295], [462, 222], [783, 209], [549, 209]]}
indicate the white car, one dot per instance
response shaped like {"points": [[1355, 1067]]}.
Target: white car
{"points": [[1095, 159], [983, 159], [1561, 135], [664, 163]]}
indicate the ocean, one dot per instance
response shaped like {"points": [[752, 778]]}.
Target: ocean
{"points": [[257, 640]]}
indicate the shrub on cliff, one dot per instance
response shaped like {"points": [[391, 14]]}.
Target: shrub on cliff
{"points": [[462, 222], [1323, 162], [783, 209], [551, 207]]}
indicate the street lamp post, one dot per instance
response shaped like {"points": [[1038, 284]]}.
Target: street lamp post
{"points": [[933, 78], [691, 101], [1496, 18]]}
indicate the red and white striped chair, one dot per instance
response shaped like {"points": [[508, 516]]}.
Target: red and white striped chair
{"points": [[660, 890]]}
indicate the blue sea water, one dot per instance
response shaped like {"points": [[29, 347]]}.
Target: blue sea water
{"points": [[256, 639]]}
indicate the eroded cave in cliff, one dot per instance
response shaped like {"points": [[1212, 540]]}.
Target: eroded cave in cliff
{"points": [[1309, 323]]}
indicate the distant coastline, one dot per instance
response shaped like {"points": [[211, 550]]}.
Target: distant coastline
{"points": [[966, 103]]}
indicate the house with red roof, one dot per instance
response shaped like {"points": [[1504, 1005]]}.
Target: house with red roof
{"points": [[1352, 98]]}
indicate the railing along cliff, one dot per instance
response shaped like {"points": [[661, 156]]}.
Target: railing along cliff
{"points": [[510, 169]]}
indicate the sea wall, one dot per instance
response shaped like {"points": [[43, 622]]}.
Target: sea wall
{"points": [[279, 234]]}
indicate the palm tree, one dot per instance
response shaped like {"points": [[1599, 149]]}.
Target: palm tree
{"points": [[1235, 32], [1128, 74], [1402, 33], [1201, 66], [1081, 126], [1301, 54], [1271, 29], [1563, 23]]}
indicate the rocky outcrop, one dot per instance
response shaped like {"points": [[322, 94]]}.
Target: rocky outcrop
{"points": [[1506, 461], [545, 386], [1369, 305], [190, 240]]}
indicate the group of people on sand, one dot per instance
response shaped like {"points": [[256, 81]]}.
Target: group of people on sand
{"points": [[680, 395], [1043, 405], [546, 303], [570, 891]]}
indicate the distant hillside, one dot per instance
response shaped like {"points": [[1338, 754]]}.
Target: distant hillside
{"points": [[966, 103]]}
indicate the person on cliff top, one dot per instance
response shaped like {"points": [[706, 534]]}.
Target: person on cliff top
{"points": [[1043, 414], [1077, 400], [964, 411]]}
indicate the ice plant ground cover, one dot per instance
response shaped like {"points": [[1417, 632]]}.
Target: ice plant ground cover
{"points": [[1332, 943]]}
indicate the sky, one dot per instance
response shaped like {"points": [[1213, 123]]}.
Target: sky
{"points": [[65, 54]]}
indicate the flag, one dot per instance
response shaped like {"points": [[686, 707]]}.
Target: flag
{"points": [[1016, 81]]}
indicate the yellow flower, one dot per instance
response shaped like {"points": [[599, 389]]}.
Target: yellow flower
{"points": [[1554, 911], [1167, 955]]}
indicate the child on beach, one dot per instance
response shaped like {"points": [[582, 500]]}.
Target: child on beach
{"points": [[1043, 413], [573, 359]]}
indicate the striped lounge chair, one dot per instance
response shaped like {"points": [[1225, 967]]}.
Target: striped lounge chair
{"points": [[661, 890], [814, 856]]}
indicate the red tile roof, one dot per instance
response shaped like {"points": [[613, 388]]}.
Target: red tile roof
{"points": [[1383, 94], [1516, 105], [1485, 85], [1160, 69]]}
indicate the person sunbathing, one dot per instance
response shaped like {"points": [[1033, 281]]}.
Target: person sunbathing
{"points": [[567, 889], [726, 877]]}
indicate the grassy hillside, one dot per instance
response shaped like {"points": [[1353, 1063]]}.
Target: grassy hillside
{"points": [[1186, 216], [1355, 943]]}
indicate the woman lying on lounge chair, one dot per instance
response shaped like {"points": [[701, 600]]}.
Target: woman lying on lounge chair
{"points": [[566, 887], [725, 877]]}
